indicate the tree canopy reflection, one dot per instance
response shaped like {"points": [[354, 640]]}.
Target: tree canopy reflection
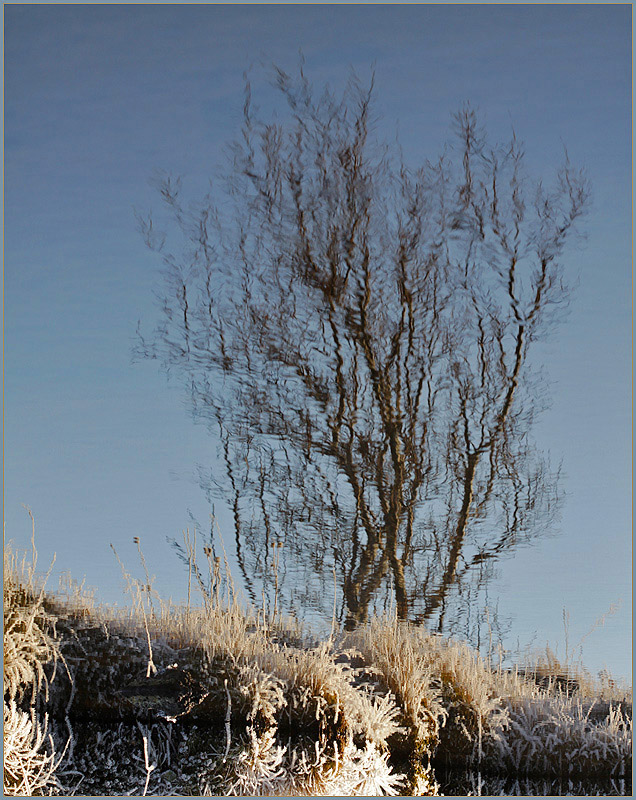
{"points": [[358, 333]]}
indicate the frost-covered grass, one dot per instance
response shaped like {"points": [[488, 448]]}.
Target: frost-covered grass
{"points": [[30, 759], [91, 707], [534, 722]]}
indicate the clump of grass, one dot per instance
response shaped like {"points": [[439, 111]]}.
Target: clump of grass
{"points": [[446, 692], [30, 760], [28, 644], [29, 754], [344, 729], [558, 735], [400, 655], [360, 771]]}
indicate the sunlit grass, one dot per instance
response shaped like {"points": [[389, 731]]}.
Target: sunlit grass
{"points": [[29, 751], [363, 713]]}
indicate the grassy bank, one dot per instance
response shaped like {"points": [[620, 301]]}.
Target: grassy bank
{"points": [[215, 699]]}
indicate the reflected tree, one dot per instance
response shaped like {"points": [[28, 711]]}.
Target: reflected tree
{"points": [[359, 335]]}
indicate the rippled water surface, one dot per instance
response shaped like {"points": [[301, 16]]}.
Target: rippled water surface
{"points": [[475, 784]]}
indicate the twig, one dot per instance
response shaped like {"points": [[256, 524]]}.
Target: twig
{"points": [[149, 767], [333, 616], [228, 716], [148, 586]]}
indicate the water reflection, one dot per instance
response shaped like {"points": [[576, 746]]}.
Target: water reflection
{"points": [[359, 333], [476, 784], [301, 547]]}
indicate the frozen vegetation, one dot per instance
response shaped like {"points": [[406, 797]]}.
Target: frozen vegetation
{"points": [[217, 700]]}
